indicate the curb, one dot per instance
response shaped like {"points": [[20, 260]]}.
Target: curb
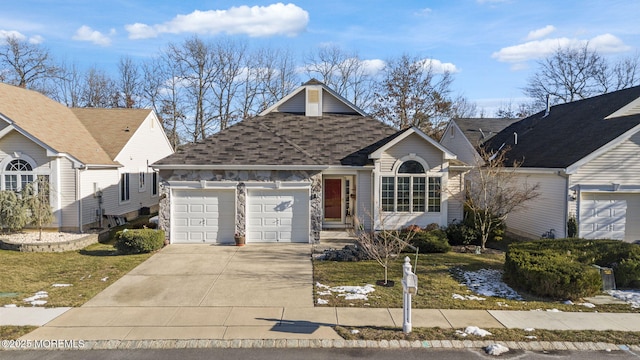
{"points": [[539, 346]]}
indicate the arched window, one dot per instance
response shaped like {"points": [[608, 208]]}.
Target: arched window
{"points": [[17, 174], [411, 190]]}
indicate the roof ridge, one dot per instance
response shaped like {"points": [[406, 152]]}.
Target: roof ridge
{"points": [[285, 139]]}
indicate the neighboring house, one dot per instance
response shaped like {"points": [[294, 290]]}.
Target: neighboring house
{"points": [[585, 156], [313, 161], [463, 136], [96, 160]]}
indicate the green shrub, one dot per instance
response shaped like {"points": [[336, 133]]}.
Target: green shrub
{"points": [[563, 268], [461, 234], [13, 212], [434, 241], [627, 273], [138, 241]]}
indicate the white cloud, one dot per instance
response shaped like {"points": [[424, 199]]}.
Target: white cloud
{"points": [[423, 12], [439, 67], [85, 33], [274, 19], [538, 49], [36, 39], [373, 66], [11, 33], [540, 33]]}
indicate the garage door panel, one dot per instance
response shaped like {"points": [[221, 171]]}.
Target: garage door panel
{"points": [[203, 215], [278, 215], [610, 215]]}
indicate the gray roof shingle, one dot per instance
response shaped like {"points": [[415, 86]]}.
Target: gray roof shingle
{"points": [[289, 139], [569, 133]]}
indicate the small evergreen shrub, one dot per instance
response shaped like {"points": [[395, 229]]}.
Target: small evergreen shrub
{"points": [[563, 268], [434, 241], [139, 241], [461, 234]]}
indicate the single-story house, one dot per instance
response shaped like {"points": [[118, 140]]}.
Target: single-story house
{"points": [[463, 136], [585, 156], [312, 161], [95, 160]]}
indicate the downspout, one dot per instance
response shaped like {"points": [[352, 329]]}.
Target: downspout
{"points": [[79, 198]]}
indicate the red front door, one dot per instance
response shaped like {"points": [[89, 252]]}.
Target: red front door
{"points": [[333, 199]]}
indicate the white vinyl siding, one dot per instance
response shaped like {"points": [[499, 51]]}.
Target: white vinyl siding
{"points": [[459, 145], [545, 212], [619, 165], [15, 142], [295, 105], [68, 204], [456, 198], [413, 144], [364, 211]]}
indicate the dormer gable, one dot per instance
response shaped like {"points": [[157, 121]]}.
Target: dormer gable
{"points": [[314, 98], [632, 108]]}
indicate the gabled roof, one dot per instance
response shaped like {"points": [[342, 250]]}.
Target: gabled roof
{"points": [[570, 132], [51, 124], [112, 128], [479, 130], [285, 139], [89, 136], [296, 101]]}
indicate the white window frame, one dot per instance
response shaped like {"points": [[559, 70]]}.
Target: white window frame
{"points": [[21, 176], [125, 188], [395, 176]]}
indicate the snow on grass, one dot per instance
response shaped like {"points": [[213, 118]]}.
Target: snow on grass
{"points": [[473, 330], [630, 296], [488, 282], [35, 299], [348, 292]]}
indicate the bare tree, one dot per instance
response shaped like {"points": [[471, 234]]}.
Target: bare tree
{"points": [[382, 245], [275, 76], [494, 191], [163, 90], [578, 72], [128, 83], [412, 93], [195, 61], [26, 64], [35, 195], [68, 86], [99, 90], [343, 72], [231, 61]]}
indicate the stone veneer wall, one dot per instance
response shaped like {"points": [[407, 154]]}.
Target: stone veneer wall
{"points": [[314, 178]]}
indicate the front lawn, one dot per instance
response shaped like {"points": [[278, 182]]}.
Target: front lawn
{"points": [[439, 278]]}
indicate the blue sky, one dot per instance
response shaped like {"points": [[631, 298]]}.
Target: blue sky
{"points": [[491, 45]]}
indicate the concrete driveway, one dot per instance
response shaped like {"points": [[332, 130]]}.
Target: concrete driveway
{"points": [[203, 275]]}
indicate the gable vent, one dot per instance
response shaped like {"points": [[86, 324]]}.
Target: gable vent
{"points": [[313, 106]]}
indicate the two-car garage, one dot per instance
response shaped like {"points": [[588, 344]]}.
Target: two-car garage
{"points": [[209, 215]]}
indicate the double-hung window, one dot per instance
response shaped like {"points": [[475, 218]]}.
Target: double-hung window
{"points": [[411, 190]]}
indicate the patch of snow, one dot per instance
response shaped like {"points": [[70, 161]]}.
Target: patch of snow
{"points": [[474, 330], [587, 304], [529, 329], [496, 349], [355, 331], [488, 282], [322, 302], [35, 299], [553, 310], [348, 292], [11, 305], [104, 278], [61, 285], [467, 297], [630, 296]]}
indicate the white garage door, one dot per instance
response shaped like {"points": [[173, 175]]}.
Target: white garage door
{"points": [[203, 216], [278, 216], [610, 216]]}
